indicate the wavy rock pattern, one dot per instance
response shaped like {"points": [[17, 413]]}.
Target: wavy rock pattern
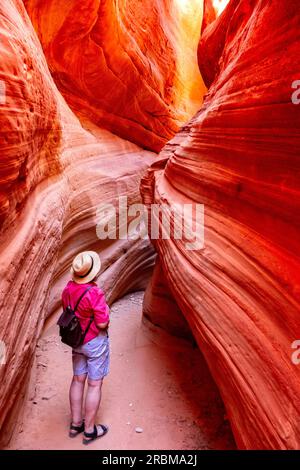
{"points": [[30, 129], [240, 157], [128, 65], [53, 175]]}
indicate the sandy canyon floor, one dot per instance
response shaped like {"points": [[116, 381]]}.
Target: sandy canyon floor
{"points": [[157, 382]]}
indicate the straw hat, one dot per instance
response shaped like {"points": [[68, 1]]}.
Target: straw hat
{"points": [[85, 267]]}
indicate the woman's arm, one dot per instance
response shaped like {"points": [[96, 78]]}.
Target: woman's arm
{"points": [[100, 308]]}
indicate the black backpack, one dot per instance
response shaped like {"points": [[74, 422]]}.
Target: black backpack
{"points": [[69, 325]]}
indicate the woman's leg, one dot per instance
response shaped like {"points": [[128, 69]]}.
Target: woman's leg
{"points": [[92, 403], [97, 364], [76, 398]]}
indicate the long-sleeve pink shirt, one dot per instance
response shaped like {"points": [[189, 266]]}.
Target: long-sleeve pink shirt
{"points": [[92, 304]]}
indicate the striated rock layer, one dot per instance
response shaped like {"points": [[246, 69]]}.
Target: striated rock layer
{"points": [[240, 157], [128, 65], [53, 176]]}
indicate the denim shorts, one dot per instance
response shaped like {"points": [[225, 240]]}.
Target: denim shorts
{"points": [[92, 358]]}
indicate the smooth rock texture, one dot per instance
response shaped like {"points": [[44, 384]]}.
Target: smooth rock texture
{"points": [[240, 157], [53, 175], [128, 65]]}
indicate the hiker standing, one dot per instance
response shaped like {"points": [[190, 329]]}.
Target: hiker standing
{"points": [[85, 302]]}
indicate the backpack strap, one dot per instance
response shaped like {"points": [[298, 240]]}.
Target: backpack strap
{"points": [[87, 328], [82, 295], [76, 306]]}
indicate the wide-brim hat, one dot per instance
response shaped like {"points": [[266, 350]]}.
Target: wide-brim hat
{"points": [[85, 267]]}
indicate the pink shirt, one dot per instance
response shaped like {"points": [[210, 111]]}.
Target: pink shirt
{"points": [[93, 304]]}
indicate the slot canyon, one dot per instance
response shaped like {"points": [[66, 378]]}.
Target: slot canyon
{"points": [[164, 102]]}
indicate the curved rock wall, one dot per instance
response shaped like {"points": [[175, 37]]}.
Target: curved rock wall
{"points": [[128, 65], [239, 156], [30, 130]]}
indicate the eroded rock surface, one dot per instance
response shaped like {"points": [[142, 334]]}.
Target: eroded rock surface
{"points": [[128, 65]]}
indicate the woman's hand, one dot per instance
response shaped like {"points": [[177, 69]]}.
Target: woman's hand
{"points": [[102, 326]]}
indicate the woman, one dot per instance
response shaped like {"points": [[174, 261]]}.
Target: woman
{"points": [[91, 359]]}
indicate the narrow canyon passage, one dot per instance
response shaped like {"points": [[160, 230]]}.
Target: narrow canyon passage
{"points": [[189, 104], [157, 382]]}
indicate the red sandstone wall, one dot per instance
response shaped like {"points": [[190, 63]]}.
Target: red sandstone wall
{"points": [[29, 125], [240, 157], [129, 66], [209, 14]]}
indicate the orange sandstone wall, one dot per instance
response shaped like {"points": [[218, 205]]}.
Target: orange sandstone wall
{"points": [[240, 157], [128, 65]]}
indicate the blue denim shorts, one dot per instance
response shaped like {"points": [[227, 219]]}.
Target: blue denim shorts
{"points": [[92, 358]]}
